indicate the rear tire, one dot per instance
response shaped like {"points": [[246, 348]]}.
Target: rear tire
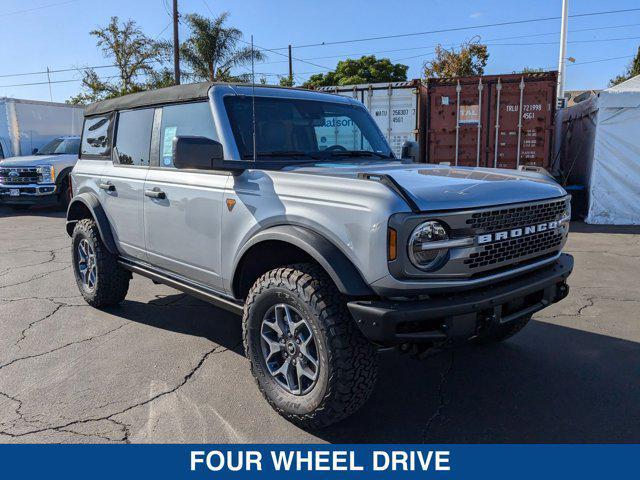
{"points": [[346, 362], [101, 280], [498, 333]]}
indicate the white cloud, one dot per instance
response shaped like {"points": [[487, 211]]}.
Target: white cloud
{"points": [[475, 15]]}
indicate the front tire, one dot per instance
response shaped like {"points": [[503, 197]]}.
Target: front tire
{"points": [[307, 356], [101, 280]]}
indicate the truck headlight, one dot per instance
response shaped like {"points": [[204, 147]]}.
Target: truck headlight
{"points": [[425, 244], [46, 174]]}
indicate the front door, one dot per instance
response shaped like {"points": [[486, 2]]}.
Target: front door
{"points": [[123, 180], [183, 208]]}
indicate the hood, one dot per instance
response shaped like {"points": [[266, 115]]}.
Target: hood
{"points": [[437, 187], [36, 160]]}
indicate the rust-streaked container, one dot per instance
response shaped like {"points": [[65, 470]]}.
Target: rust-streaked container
{"points": [[502, 121]]}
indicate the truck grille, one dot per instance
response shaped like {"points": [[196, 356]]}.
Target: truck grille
{"points": [[18, 176], [504, 219], [534, 245]]}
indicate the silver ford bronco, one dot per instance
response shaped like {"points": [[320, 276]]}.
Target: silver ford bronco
{"points": [[288, 207]]}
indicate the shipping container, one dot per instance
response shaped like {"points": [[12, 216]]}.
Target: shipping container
{"points": [[396, 108], [503, 121], [27, 125]]}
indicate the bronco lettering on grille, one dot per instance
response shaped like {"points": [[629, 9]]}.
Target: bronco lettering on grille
{"points": [[517, 232]]}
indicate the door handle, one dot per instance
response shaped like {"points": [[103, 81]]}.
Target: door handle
{"points": [[108, 186], [155, 193]]}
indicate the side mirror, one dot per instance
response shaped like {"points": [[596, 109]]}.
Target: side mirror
{"points": [[34, 151], [200, 153], [410, 151]]}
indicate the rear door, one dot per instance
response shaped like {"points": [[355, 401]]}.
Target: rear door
{"points": [[123, 179], [183, 208]]}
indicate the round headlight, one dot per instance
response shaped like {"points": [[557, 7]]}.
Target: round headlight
{"points": [[423, 253]]}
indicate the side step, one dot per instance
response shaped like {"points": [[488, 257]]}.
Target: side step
{"points": [[185, 286]]}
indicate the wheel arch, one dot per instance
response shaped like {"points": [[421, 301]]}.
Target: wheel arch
{"points": [[87, 205], [287, 244]]}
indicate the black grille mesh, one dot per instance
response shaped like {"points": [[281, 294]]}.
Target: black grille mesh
{"points": [[512, 249], [515, 217], [24, 175]]}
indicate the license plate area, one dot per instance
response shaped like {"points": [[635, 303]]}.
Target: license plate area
{"points": [[14, 192]]}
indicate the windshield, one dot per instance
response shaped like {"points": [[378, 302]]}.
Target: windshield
{"points": [[61, 146], [305, 129]]}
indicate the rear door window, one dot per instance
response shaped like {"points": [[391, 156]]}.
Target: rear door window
{"points": [[96, 141], [133, 137], [193, 119]]}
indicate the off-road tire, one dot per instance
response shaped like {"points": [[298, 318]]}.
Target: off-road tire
{"points": [[498, 333], [112, 280], [348, 365], [64, 197]]}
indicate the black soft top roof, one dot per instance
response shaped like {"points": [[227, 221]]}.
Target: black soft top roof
{"points": [[177, 93]]}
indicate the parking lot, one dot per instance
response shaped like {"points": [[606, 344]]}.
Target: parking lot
{"points": [[165, 367]]}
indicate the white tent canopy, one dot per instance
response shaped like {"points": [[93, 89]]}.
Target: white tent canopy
{"points": [[614, 186]]}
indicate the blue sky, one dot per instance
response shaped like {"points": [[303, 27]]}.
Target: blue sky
{"points": [[58, 36]]}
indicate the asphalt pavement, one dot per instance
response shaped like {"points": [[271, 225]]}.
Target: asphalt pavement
{"points": [[166, 367]]}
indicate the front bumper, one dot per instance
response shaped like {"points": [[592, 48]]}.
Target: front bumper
{"points": [[28, 194], [459, 316]]}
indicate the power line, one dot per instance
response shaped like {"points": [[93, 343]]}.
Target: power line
{"points": [[457, 29], [353, 54], [33, 9], [527, 44]]}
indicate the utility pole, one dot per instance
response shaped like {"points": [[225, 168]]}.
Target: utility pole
{"points": [[563, 53], [49, 82], [290, 67], [176, 44]]}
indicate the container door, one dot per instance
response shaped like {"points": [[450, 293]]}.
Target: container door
{"points": [[395, 112], [521, 117], [456, 123]]}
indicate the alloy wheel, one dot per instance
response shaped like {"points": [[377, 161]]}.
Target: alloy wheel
{"points": [[87, 266], [289, 349]]}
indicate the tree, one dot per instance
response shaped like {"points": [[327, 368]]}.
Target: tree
{"points": [[531, 70], [367, 69], [285, 81], [469, 61], [212, 50], [632, 70], [132, 53]]}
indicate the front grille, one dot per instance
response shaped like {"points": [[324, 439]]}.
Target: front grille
{"points": [[18, 176], [515, 217], [539, 243]]}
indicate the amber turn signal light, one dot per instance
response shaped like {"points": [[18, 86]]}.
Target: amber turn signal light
{"points": [[392, 241]]}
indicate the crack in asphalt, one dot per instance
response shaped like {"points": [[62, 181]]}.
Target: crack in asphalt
{"points": [[441, 399], [589, 302], [23, 334], [126, 428], [8, 270], [37, 277], [77, 342]]}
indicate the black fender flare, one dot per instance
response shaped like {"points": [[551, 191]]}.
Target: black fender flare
{"points": [[342, 271], [76, 211]]}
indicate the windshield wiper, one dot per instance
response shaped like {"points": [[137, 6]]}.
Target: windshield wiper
{"points": [[358, 153], [283, 153]]}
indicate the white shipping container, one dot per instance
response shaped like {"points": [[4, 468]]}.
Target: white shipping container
{"points": [[393, 106]]}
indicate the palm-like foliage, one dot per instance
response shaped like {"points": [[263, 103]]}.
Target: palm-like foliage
{"points": [[212, 50]]}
